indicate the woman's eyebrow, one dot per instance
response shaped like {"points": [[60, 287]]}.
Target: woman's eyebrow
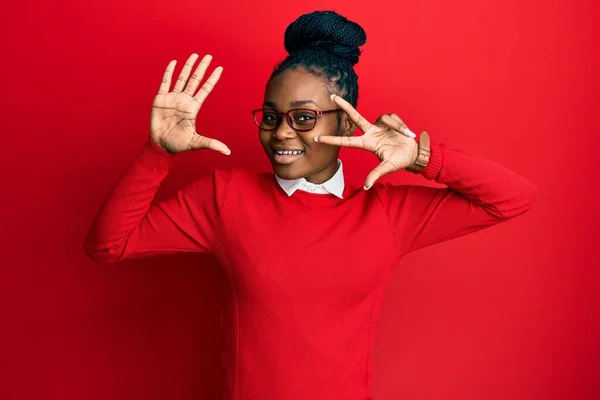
{"points": [[293, 103], [296, 103], [302, 102]]}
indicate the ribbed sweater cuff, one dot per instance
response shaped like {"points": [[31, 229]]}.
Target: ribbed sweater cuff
{"points": [[432, 170], [154, 158]]}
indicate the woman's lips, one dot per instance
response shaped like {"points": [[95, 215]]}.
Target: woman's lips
{"points": [[286, 158]]}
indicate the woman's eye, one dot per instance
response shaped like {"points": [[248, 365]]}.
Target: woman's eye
{"points": [[270, 117], [304, 117]]}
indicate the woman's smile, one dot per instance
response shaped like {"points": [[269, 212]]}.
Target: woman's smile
{"points": [[286, 155]]}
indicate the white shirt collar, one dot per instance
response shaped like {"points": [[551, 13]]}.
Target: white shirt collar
{"points": [[335, 185]]}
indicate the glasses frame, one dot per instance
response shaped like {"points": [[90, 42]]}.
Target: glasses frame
{"points": [[289, 119]]}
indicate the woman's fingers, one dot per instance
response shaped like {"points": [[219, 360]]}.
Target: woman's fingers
{"points": [[185, 73], [354, 115], [208, 85], [167, 76], [198, 75], [382, 169], [188, 84], [400, 126], [344, 141]]}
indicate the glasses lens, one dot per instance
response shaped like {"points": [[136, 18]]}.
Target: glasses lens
{"points": [[266, 119], [304, 120]]}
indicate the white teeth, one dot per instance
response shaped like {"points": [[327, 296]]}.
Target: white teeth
{"points": [[289, 152]]}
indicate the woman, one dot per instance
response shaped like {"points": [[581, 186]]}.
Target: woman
{"points": [[307, 257]]}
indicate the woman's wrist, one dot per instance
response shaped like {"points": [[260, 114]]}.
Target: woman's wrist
{"points": [[423, 154]]}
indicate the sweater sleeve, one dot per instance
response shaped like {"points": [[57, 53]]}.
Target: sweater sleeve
{"points": [[132, 224], [479, 194]]}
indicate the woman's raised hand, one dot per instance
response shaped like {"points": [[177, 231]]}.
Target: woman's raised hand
{"points": [[173, 117], [388, 138]]}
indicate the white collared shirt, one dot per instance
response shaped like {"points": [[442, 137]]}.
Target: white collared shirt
{"points": [[335, 185]]}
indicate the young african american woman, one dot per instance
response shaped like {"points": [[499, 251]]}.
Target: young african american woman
{"points": [[305, 275]]}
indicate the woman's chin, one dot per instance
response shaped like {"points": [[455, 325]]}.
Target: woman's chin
{"points": [[286, 171]]}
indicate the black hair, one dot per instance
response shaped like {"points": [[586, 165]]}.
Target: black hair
{"points": [[325, 44]]}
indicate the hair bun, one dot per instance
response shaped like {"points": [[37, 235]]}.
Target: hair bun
{"points": [[328, 31]]}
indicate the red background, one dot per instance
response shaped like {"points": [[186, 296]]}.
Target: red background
{"points": [[507, 313]]}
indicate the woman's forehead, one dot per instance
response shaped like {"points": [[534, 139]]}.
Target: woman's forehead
{"points": [[294, 86]]}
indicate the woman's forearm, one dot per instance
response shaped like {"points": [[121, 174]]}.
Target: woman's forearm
{"points": [[127, 204], [479, 194], [500, 191]]}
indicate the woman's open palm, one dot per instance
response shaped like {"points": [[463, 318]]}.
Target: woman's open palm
{"points": [[173, 117]]}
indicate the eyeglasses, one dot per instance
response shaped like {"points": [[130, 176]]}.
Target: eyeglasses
{"points": [[299, 119]]}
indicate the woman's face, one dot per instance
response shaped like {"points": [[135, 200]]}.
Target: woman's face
{"points": [[317, 162]]}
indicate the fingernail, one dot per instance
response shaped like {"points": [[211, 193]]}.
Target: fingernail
{"points": [[316, 138], [332, 96], [366, 187], [411, 133]]}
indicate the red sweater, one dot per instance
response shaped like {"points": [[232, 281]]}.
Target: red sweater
{"points": [[306, 273]]}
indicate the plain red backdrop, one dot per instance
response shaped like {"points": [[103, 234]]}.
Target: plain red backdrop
{"points": [[507, 313]]}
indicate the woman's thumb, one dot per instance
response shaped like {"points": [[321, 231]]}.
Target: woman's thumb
{"points": [[203, 142]]}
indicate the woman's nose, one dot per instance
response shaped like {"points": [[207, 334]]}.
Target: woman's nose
{"points": [[284, 130]]}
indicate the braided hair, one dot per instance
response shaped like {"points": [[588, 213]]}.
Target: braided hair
{"points": [[325, 44]]}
